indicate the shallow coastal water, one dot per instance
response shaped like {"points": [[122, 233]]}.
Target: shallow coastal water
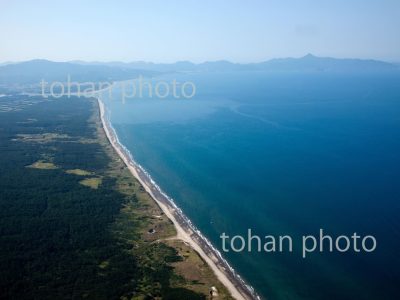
{"points": [[281, 154]]}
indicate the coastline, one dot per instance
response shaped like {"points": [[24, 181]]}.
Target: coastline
{"points": [[186, 231]]}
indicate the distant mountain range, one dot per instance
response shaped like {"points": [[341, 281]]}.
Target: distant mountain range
{"points": [[35, 70], [305, 63]]}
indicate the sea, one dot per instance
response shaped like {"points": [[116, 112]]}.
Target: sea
{"points": [[280, 154]]}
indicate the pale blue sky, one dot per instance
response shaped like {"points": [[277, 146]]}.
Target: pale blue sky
{"points": [[167, 31]]}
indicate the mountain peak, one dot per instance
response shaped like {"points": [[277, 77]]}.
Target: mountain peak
{"points": [[309, 55]]}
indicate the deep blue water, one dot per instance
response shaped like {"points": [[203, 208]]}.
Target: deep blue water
{"points": [[282, 154]]}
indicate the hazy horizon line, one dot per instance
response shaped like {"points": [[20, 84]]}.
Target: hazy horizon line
{"points": [[195, 63]]}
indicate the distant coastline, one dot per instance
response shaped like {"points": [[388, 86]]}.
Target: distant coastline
{"points": [[32, 71], [186, 231]]}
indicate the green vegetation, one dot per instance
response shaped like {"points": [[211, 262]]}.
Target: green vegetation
{"points": [[93, 182], [60, 239], [41, 137], [78, 172], [42, 165]]}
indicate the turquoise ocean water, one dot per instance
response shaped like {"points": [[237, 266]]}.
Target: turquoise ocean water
{"points": [[281, 154]]}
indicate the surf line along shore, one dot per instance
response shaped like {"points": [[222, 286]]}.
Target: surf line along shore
{"points": [[184, 228]]}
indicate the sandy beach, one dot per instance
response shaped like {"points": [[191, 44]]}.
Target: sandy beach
{"points": [[185, 229]]}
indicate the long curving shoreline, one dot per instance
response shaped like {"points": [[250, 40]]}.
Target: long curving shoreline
{"points": [[186, 231]]}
